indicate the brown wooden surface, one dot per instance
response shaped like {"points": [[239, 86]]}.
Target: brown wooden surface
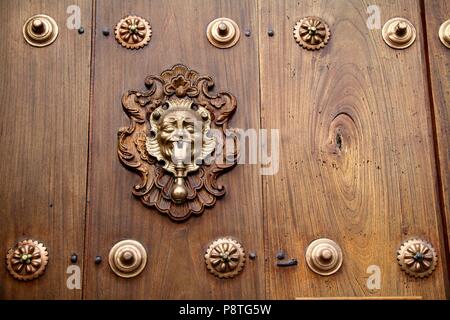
{"points": [[379, 186], [44, 139], [176, 267], [436, 12]]}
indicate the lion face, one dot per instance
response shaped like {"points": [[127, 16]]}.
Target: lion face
{"points": [[179, 136]]}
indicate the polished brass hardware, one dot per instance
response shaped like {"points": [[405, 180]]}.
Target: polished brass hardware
{"points": [[324, 256], [444, 33], [40, 30], [225, 258], [223, 33], [312, 33], [169, 142], [176, 120], [27, 260], [417, 258], [127, 258], [399, 33], [133, 32]]}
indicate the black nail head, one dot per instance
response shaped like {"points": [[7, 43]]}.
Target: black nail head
{"points": [[281, 255]]}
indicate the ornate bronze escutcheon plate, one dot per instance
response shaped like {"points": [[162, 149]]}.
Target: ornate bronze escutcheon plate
{"points": [[176, 141]]}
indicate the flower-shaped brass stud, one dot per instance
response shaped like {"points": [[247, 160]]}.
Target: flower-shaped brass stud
{"points": [[311, 33], [324, 256], [40, 30], [133, 32], [444, 33], [399, 33], [223, 33], [225, 258], [417, 258], [27, 260]]}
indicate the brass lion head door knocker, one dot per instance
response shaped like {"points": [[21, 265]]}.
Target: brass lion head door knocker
{"points": [[175, 141]]}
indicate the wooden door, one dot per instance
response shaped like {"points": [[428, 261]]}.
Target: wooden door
{"points": [[44, 136], [436, 14], [357, 153], [176, 267], [363, 152]]}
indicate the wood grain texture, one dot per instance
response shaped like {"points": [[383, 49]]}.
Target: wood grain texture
{"points": [[357, 160], [436, 12], [176, 267], [44, 137]]}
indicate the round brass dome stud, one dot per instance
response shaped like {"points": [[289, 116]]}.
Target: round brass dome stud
{"points": [[312, 33], [133, 32], [223, 33], [27, 260], [444, 33], [40, 30], [225, 258], [324, 257], [127, 258], [417, 258], [399, 33]]}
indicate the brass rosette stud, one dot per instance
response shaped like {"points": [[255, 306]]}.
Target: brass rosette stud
{"points": [[40, 30], [27, 260], [417, 258], [225, 258], [399, 33], [444, 33], [312, 33], [133, 32]]}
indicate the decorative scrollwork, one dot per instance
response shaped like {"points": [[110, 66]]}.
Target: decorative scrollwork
{"points": [[178, 162]]}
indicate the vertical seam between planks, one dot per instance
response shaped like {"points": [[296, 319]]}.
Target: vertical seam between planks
{"points": [[263, 205], [88, 167], [439, 181]]}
